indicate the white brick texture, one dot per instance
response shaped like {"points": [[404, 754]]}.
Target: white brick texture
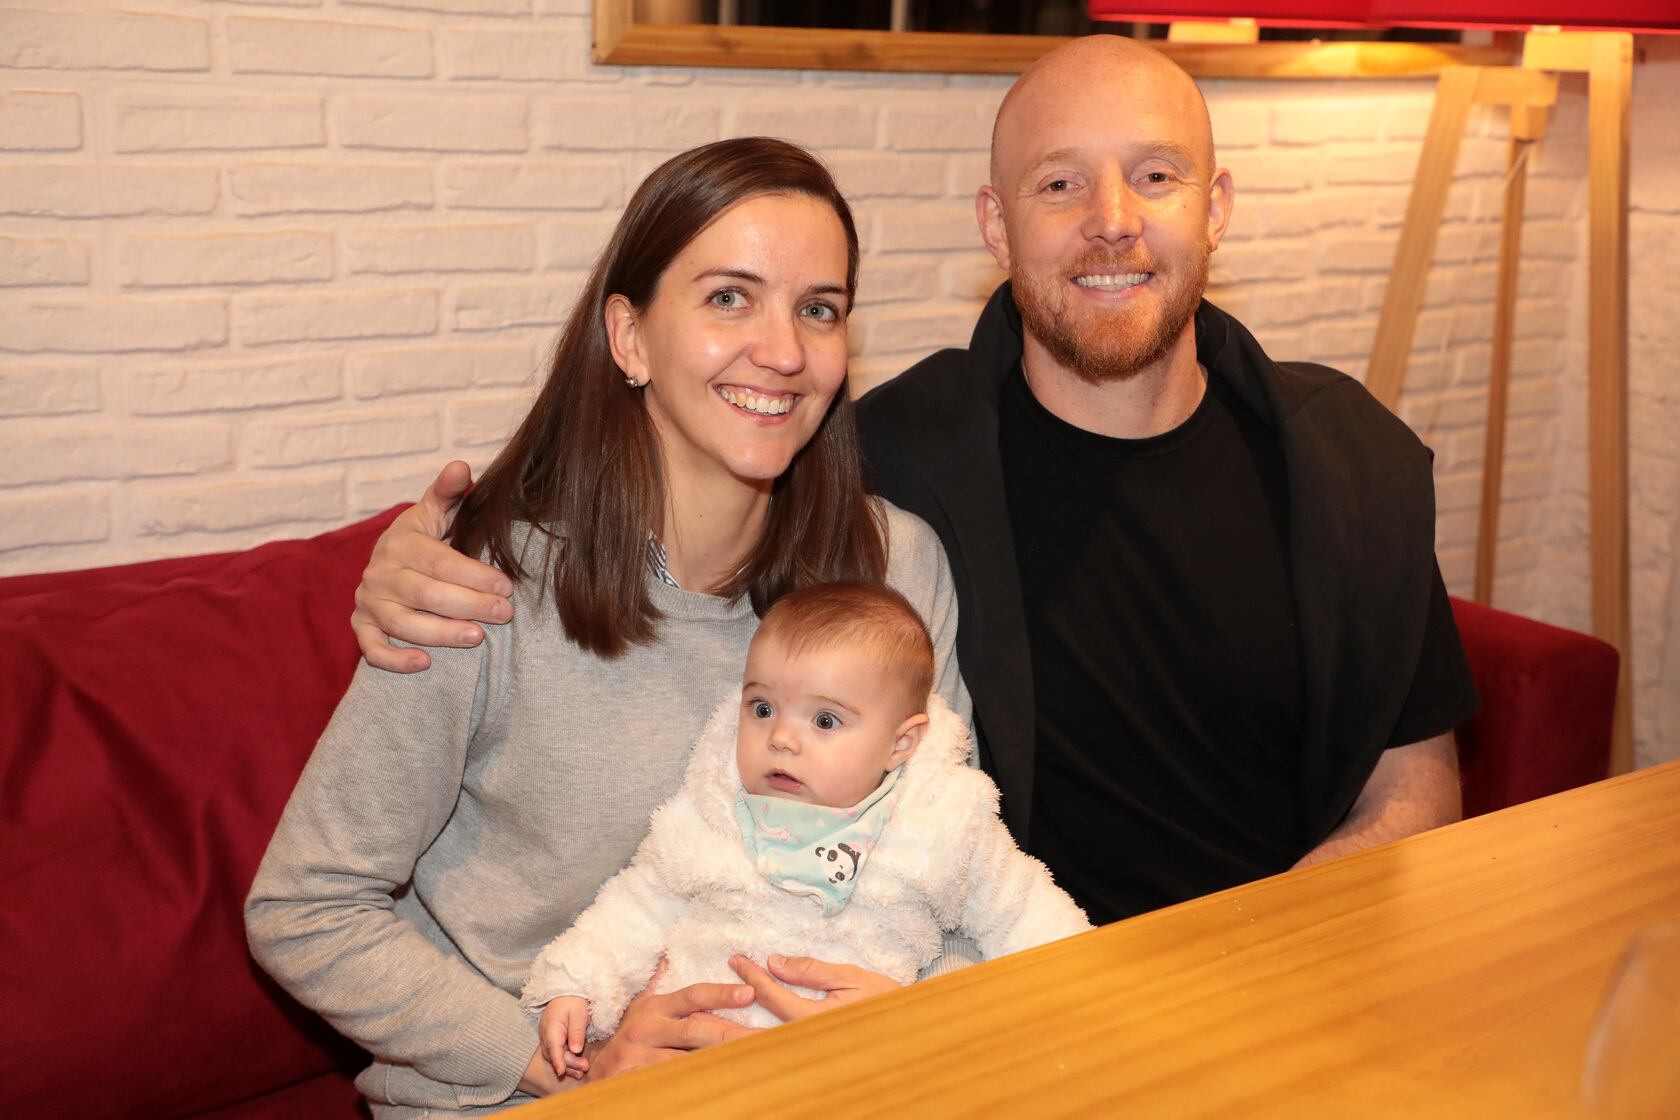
{"points": [[265, 266], [315, 318], [166, 390], [43, 262], [497, 248], [338, 437], [53, 40], [242, 504], [66, 191], [289, 188], [40, 122], [111, 324], [180, 123], [48, 390], [433, 124], [234, 258], [65, 515], [277, 46]]}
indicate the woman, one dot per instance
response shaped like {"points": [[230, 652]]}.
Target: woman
{"points": [[690, 457]]}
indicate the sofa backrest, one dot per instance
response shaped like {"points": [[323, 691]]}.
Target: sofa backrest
{"points": [[154, 720]]}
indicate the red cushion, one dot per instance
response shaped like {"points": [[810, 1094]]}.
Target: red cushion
{"points": [[155, 719], [1548, 697], [331, 1094]]}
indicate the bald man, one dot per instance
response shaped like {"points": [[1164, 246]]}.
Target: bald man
{"points": [[1199, 610]]}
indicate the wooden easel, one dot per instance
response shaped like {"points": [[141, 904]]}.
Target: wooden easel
{"points": [[1529, 91]]}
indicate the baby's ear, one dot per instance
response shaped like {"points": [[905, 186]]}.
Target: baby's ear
{"points": [[907, 738]]}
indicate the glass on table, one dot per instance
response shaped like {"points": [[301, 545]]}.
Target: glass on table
{"points": [[1632, 1068]]}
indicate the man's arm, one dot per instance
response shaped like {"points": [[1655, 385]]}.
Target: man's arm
{"points": [[1414, 788]]}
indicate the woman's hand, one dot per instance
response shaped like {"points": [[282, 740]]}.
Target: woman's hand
{"points": [[656, 1028], [419, 589], [844, 983], [539, 1080]]}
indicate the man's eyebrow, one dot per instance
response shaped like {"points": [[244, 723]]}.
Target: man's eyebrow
{"points": [[1060, 155], [1170, 149]]}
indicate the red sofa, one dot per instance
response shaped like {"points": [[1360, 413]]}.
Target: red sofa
{"points": [[153, 719]]}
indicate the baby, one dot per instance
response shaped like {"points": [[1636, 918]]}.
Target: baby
{"points": [[828, 811]]}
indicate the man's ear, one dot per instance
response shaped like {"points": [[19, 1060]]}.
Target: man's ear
{"points": [[988, 211], [906, 739], [1221, 196], [624, 336]]}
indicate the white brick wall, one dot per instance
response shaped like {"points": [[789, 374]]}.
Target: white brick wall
{"points": [[264, 266]]}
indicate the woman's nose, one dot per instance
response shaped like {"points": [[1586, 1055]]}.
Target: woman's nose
{"points": [[779, 348]]}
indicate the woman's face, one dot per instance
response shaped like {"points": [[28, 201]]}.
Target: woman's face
{"points": [[743, 345]]}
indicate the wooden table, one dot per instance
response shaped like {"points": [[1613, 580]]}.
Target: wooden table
{"points": [[1455, 973]]}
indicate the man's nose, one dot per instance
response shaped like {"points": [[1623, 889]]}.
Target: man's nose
{"points": [[779, 347], [1114, 214]]}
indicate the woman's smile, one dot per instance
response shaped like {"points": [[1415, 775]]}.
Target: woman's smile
{"points": [[762, 404]]}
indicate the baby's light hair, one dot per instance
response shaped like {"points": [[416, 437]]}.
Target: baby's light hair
{"points": [[827, 615]]}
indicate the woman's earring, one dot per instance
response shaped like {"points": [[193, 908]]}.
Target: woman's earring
{"points": [[632, 382]]}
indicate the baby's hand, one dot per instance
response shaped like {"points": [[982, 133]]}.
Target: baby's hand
{"points": [[562, 1027]]}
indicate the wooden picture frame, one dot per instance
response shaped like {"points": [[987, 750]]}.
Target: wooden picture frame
{"points": [[620, 41]]}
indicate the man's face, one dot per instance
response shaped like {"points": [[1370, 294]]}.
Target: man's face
{"points": [[1104, 211]]}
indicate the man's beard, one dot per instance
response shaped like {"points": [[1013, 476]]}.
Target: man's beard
{"points": [[1117, 345]]}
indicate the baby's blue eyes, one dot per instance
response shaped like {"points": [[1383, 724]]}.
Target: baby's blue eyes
{"points": [[822, 721]]}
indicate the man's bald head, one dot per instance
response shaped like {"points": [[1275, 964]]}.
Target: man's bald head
{"points": [[1104, 208], [1099, 79]]}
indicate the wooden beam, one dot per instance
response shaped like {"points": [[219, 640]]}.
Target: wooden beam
{"points": [[1570, 51], [1609, 91], [1397, 323], [1499, 369], [1513, 85]]}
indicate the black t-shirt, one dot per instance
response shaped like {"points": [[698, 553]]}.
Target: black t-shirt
{"points": [[1166, 675]]}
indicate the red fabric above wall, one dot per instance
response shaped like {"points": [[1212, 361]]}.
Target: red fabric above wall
{"points": [[1632, 15]]}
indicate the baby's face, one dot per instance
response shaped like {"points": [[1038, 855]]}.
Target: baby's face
{"points": [[819, 726]]}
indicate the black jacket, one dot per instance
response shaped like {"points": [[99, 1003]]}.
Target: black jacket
{"points": [[1361, 541]]}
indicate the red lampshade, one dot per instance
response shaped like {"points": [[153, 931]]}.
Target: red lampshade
{"points": [[1622, 15]]}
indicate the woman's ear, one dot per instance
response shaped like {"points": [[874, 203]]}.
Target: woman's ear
{"points": [[624, 336], [906, 739]]}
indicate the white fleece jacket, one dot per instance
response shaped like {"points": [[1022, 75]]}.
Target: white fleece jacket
{"points": [[944, 861]]}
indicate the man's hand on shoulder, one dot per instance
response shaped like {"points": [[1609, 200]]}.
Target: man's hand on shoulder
{"points": [[420, 590]]}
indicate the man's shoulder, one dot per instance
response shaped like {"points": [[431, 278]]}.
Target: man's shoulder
{"points": [[1310, 393]]}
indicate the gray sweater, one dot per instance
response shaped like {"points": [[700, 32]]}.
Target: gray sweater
{"points": [[451, 822]]}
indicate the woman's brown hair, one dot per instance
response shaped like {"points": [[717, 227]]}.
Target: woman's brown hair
{"points": [[584, 465]]}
